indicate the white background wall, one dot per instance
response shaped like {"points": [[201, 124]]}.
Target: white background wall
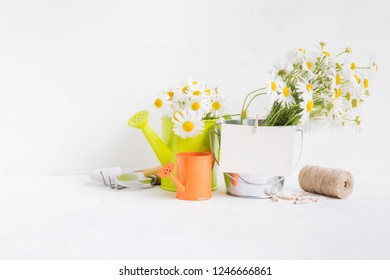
{"points": [[73, 72]]}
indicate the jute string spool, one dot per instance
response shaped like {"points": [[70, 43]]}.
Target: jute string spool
{"points": [[326, 181]]}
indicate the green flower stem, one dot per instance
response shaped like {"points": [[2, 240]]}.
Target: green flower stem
{"points": [[341, 53], [246, 98], [231, 115], [365, 67], [253, 98]]}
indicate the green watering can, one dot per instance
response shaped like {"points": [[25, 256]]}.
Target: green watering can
{"points": [[170, 144]]}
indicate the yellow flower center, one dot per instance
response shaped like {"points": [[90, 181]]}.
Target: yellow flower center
{"points": [[188, 126], [326, 53], [308, 65], [273, 86], [195, 106], [244, 114], [194, 82], [309, 106], [348, 96], [358, 120], [170, 94], [365, 83], [158, 103], [208, 91], [354, 103], [174, 115], [302, 50], [197, 92], [376, 67], [185, 89], [338, 79], [309, 87], [338, 93], [357, 78], [353, 65], [216, 105], [286, 91]]}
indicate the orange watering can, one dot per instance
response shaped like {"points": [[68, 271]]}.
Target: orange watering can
{"points": [[194, 173]]}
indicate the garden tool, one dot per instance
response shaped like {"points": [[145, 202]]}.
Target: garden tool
{"points": [[114, 178]]}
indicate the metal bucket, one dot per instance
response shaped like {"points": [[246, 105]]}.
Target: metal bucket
{"points": [[252, 186], [245, 185]]}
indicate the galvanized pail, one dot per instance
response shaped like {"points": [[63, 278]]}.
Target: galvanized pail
{"points": [[246, 185]]}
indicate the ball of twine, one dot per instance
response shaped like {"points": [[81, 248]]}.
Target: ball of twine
{"points": [[326, 181]]}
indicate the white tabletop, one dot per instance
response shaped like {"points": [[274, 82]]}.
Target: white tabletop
{"points": [[71, 217]]}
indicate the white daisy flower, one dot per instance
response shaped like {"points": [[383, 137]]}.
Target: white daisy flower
{"points": [[217, 104], [309, 62], [183, 88], [282, 69], [187, 124], [361, 81], [326, 53], [171, 92], [285, 97], [162, 103], [307, 106], [192, 82], [355, 96], [209, 91], [338, 106], [199, 105], [313, 126], [338, 92], [374, 66], [365, 80], [323, 55], [349, 64], [273, 83], [306, 88], [295, 55], [197, 90], [355, 79]]}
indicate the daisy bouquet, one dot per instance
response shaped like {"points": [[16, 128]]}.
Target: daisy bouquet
{"points": [[188, 105], [315, 87]]}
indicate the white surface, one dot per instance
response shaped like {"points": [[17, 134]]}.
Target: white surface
{"points": [[73, 72], [71, 217]]}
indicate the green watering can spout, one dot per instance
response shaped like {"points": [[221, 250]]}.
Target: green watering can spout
{"points": [[140, 121]]}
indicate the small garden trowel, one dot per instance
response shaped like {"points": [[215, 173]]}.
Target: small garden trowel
{"points": [[115, 179]]}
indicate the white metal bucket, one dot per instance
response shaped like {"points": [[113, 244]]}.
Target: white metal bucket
{"points": [[247, 185]]}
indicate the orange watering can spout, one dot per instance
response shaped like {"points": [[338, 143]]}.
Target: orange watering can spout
{"points": [[167, 171]]}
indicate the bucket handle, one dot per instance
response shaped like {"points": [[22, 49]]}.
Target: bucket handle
{"points": [[213, 132]]}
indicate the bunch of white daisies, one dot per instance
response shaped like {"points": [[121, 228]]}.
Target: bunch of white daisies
{"points": [[316, 87], [188, 105]]}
